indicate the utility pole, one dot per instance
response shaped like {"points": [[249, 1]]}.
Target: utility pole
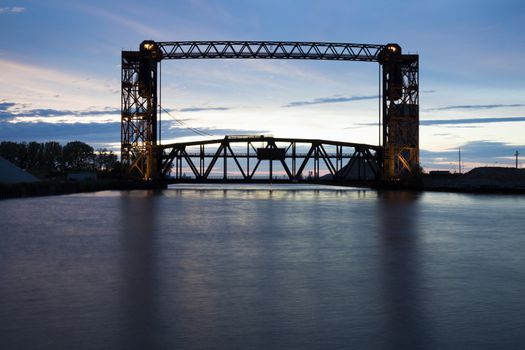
{"points": [[459, 163], [517, 154]]}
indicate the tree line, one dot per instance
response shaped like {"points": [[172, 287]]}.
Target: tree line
{"points": [[49, 159]]}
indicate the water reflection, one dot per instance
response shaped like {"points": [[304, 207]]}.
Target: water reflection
{"points": [[270, 192], [139, 293], [404, 292]]}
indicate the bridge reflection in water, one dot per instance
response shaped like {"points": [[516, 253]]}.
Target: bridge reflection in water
{"points": [[243, 158]]}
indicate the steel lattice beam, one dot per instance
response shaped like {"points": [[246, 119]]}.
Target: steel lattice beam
{"points": [[269, 50]]}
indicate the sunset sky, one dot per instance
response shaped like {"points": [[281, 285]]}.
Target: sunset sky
{"points": [[60, 73]]}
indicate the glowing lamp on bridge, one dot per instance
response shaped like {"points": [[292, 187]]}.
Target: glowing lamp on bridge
{"points": [[393, 48], [149, 46]]}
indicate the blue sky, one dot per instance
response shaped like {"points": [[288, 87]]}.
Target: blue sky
{"points": [[60, 74]]}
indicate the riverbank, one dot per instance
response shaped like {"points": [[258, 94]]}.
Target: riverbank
{"points": [[51, 188], [478, 180]]}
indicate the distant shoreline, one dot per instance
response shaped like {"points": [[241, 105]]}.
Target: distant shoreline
{"points": [[480, 180]]}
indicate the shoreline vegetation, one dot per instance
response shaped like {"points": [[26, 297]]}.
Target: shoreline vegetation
{"points": [[55, 165], [52, 160]]}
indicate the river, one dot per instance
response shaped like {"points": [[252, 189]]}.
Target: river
{"points": [[262, 267]]}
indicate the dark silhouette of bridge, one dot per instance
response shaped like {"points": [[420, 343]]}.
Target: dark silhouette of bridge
{"points": [[241, 157], [287, 160]]}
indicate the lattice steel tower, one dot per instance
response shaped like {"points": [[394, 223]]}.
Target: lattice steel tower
{"points": [[400, 112], [139, 153]]}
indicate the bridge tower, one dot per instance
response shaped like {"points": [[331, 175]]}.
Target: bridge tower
{"points": [[400, 102], [143, 157], [400, 112], [139, 152]]}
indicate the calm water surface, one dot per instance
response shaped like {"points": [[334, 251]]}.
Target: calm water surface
{"points": [[262, 267]]}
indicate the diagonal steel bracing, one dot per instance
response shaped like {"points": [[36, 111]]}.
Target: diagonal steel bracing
{"points": [[269, 50], [295, 159]]}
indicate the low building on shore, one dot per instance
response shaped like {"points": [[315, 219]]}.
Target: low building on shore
{"points": [[439, 172], [11, 174]]}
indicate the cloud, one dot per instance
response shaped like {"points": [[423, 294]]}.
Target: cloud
{"points": [[457, 123], [57, 113], [18, 122], [459, 126], [471, 121], [21, 113], [40, 86], [446, 108], [12, 10], [16, 113], [325, 100], [95, 133], [62, 132], [199, 109], [480, 152], [4, 113]]}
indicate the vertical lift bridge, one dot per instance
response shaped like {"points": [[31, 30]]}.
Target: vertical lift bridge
{"points": [[143, 156]]}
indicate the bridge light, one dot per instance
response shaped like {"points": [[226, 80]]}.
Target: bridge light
{"points": [[148, 46]]}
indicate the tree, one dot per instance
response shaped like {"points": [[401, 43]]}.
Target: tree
{"points": [[15, 153], [34, 155], [10, 150], [78, 156], [52, 156], [105, 160]]}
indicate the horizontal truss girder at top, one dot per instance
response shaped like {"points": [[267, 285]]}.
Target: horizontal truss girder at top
{"points": [[270, 50]]}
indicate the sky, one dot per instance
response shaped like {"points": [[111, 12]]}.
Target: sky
{"points": [[60, 72]]}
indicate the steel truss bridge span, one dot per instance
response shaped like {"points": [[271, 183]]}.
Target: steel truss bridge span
{"points": [[269, 50], [264, 158], [144, 157]]}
